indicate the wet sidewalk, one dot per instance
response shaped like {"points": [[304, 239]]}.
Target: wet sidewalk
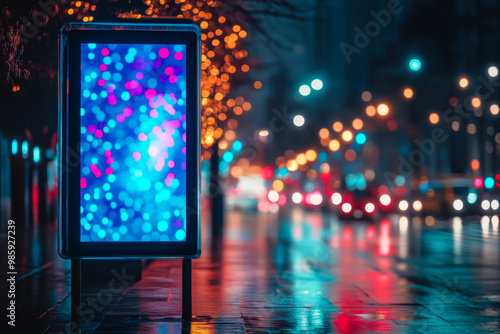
{"points": [[303, 272]]}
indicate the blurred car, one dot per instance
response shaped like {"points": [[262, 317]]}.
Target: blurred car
{"points": [[249, 190], [361, 204], [450, 195]]}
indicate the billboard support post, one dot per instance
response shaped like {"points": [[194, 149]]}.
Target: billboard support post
{"points": [[76, 289], [187, 292]]}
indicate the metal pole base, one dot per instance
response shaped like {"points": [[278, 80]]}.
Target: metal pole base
{"points": [[76, 290], [187, 296]]}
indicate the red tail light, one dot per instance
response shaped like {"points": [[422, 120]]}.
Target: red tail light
{"points": [[346, 208], [369, 208]]}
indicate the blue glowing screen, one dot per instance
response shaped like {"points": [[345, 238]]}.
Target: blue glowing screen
{"points": [[133, 142]]}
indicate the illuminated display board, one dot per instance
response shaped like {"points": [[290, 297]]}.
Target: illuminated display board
{"points": [[130, 108]]}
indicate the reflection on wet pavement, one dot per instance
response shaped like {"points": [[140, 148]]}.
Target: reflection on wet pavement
{"points": [[292, 273]]}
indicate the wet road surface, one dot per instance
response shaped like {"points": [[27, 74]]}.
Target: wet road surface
{"points": [[293, 272]]}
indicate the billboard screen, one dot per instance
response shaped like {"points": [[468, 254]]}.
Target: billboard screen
{"points": [[130, 108]]}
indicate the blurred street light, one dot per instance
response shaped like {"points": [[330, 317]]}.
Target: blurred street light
{"points": [[324, 133], [14, 146], [304, 90], [415, 64], [317, 84], [463, 82], [383, 109], [403, 205], [489, 183], [476, 102], [357, 124], [434, 118], [301, 159], [299, 120], [494, 109], [347, 135], [278, 185], [371, 111], [263, 133], [474, 164], [36, 154], [408, 93], [493, 71], [361, 138], [366, 96], [337, 126], [458, 204], [311, 155], [334, 145], [24, 149]]}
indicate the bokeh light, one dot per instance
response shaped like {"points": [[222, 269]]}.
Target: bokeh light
{"points": [[383, 109], [304, 90], [298, 120], [360, 138], [478, 182], [408, 93], [350, 155], [415, 64], [334, 145], [337, 126], [494, 109], [493, 71], [434, 118], [474, 164], [357, 124], [324, 133], [371, 111], [278, 185], [14, 148], [458, 204], [317, 84], [273, 196], [385, 199], [347, 136], [311, 155], [297, 198], [463, 82], [476, 102], [336, 198], [366, 96]]}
